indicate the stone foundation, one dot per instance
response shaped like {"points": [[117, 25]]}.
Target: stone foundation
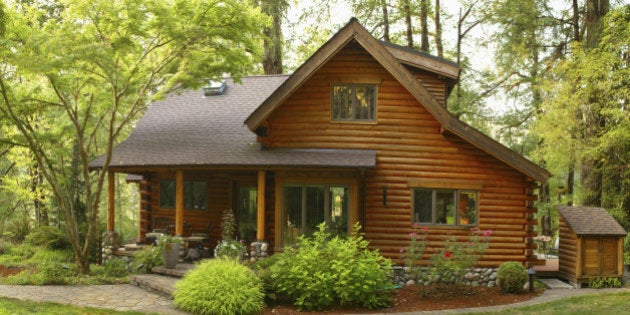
{"points": [[486, 277], [258, 251], [109, 245]]}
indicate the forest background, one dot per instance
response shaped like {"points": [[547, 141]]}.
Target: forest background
{"points": [[549, 79]]}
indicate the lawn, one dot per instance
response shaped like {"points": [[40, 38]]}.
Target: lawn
{"points": [[609, 303], [16, 307]]}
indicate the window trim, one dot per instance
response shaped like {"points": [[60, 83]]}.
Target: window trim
{"points": [[456, 204], [353, 86]]}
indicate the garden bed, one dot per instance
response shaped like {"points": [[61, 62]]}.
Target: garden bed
{"points": [[9, 271], [410, 299]]}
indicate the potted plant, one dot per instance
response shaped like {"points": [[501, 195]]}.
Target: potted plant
{"points": [[169, 245]]}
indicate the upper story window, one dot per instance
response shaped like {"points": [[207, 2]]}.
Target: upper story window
{"points": [[445, 206], [195, 194], [354, 102]]}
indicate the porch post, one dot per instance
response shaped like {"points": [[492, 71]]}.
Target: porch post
{"points": [[179, 202], [260, 222], [111, 195]]}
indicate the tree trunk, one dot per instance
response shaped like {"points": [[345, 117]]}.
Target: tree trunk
{"points": [[424, 35], [595, 11], [576, 21], [407, 12], [385, 21], [272, 61], [438, 31]]}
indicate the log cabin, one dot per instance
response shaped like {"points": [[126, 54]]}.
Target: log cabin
{"points": [[358, 133]]}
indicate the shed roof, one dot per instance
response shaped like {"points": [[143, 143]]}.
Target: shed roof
{"points": [[591, 221], [191, 129]]}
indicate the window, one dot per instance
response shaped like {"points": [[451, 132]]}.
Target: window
{"points": [[444, 206], [195, 194], [354, 102], [304, 207]]}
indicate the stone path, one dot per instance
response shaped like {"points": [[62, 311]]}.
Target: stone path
{"points": [[126, 297], [121, 297]]}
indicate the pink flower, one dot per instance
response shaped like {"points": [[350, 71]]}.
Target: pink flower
{"points": [[402, 250], [487, 233], [424, 228], [447, 255], [416, 225], [412, 234]]}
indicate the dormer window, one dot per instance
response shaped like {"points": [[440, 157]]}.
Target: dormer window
{"points": [[354, 102]]}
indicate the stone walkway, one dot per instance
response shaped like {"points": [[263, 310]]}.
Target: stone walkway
{"points": [[121, 297], [126, 297]]}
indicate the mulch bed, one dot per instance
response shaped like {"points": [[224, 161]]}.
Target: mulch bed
{"points": [[411, 298], [9, 271]]}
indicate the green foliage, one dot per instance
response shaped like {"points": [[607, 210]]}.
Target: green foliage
{"points": [[327, 270], [413, 254], [604, 282], [219, 286], [145, 259], [231, 249], [116, 267], [167, 241], [455, 258], [511, 277], [48, 236]]}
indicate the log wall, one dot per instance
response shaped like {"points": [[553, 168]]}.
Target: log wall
{"points": [[410, 147], [568, 250]]}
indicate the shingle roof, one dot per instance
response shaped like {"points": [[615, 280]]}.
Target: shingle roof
{"points": [[191, 129], [590, 221]]}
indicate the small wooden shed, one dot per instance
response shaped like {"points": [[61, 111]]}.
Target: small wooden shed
{"points": [[591, 244]]}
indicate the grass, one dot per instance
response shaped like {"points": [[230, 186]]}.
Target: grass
{"points": [[18, 307], [609, 303]]}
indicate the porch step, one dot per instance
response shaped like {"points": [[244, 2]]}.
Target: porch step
{"points": [[556, 284], [178, 271], [162, 285]]}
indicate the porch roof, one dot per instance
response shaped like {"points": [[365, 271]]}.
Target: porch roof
{"points": [[194, 130]]}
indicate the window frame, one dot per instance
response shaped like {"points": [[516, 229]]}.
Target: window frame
{"points": [[355, 103], [457, 215], [188, 194]]}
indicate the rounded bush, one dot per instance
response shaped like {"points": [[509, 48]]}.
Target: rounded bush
{"points": [[511, 277], [327, 271], [219, 286]]}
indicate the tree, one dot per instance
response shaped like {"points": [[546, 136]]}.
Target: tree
{"points": [[593, 86], [89, 73], [272, 61]]}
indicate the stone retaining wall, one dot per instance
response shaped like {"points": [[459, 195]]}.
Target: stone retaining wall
{"points": [[475, 277]]}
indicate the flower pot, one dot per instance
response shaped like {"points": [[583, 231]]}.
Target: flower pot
{"points": [[170, 256]]}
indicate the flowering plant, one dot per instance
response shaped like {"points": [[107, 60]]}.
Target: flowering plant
{"points": [[167, 241], [450, 264], [413, 254]]}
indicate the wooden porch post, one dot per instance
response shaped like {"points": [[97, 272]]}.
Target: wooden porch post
{"points": [[260, 220], [111, 196], [179, 202]]}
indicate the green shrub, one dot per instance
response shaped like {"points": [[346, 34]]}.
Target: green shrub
{"points": [[219, 286], [604, 282], [48, 236], [511, 277], [46, 273], [145, 259], [115, 267], [328, 270]]}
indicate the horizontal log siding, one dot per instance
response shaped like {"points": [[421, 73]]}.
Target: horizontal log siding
{"points": [[568, 252], [409, 146]]}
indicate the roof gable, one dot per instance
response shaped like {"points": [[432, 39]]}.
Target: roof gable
{"points": [[353, 31], [590, 221]]}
